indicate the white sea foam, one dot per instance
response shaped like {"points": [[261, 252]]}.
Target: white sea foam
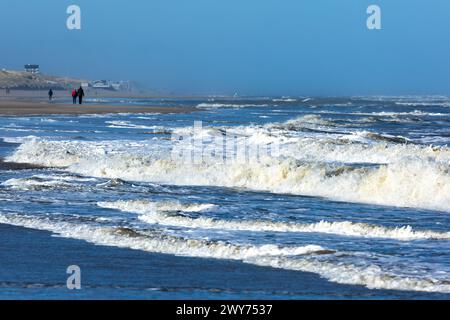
{"points": [[285, 100], [18, 139], [416, 113], [20, 129], [48, 120], [414, 177], [228, 105], [423, 103], [372, 277], [161, 213], [404, 174], [154, 241], [303, 258], [33, 183], [163, 206], [319, 145], [65, 153], [417, 184], [129, 125], [44, 181]]}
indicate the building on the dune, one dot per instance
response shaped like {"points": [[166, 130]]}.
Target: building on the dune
{"points": [[100, 84], [110, 85], [32, 68]]}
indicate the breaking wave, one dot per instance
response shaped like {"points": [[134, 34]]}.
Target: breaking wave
{"points": [[154, 241], [421, 181], [162, 213], [164, 206], [38, 182], [228, 105], [346, 166], [303, 258], [129, 125]]}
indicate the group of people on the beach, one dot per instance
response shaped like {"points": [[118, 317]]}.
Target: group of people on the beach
{"points": [[78, 94], [75, 94]]}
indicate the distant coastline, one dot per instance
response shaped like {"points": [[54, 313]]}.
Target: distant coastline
{"points": [[12, 80], [22, 80], [26, 93]]}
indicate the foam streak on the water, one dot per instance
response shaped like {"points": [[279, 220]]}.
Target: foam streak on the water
{"points": [[162, 213], [294, 258]]}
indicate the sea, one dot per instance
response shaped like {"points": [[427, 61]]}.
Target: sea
{"points": [[246, 197]]}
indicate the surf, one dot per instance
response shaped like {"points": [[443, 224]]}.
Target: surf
{"points": [[415, 176], [167, 213], [301, 258]]}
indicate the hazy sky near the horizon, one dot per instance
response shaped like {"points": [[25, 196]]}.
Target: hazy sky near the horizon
{"points": [[254, 47]]}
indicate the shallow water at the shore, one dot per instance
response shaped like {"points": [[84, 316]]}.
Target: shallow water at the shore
{"points": [[359, 195], [106, 274]]}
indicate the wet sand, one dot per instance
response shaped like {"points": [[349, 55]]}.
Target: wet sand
{"points": [[27, 108]]}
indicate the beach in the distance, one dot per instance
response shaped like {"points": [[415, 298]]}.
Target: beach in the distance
{"points": [[29, 102], [17, 108]]}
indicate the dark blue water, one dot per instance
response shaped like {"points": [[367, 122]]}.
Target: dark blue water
{"points": [[354, 203]]}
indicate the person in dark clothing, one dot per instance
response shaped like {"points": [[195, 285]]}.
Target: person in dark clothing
{"points": [[50, 95], [74, 95], [80, 94]]}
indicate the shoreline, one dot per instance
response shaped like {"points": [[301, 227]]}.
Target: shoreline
{"points": [[29, 108], [34, 266]]}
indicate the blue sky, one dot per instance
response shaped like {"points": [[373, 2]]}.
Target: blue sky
{"points": [[253, 47]]}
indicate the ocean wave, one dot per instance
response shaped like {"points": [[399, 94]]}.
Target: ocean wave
{"points": [[129, 125], [416, 181], [18, 140], [163, 206], [63, 153], [155, 241], [20, 129], [48, 120], [423, 103], [393, 114], [228, 105], [285, 100], [162, 213], [372, 136], [322, 141], [417, 113], [38, 182], [372, 277], [416, 184], [303, 258]]}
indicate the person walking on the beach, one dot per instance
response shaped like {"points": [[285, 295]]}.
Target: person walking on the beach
{"points": [[80, 94], [74, 95], [50, 95]]}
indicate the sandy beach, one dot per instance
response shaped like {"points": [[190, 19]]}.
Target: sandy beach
{"points": [[21, 108]]}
